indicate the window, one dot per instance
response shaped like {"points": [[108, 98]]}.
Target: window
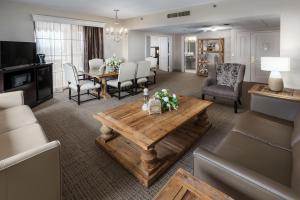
{"points": [[61, 43]]}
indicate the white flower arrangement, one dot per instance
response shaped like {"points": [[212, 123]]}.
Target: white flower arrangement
{"points": [[168, 101], [113, 62]]}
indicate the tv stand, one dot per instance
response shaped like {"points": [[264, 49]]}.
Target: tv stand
{"points": [[36, 80]]}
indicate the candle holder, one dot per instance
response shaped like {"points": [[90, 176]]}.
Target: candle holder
{"points": [[146, 99]]}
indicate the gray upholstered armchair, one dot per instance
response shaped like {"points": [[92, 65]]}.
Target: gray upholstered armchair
{"points": [[225, 80]]}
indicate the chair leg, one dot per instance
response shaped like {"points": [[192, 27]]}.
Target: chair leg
{"points": [[214, 98], [119, 91], [78, 93], [99, 91], [203, 96], [88, 92], [70, 94], [136, 86], [235, 106], [155, 78]]}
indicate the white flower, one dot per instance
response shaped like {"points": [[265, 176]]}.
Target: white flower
{"points": [[168, 105], [164, 91], [174, 96], [166, 99]]}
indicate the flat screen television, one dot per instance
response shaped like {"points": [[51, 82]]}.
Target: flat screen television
{"points": [[17, 53]]}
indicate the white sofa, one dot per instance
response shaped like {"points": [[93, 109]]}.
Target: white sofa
{"points": [[29, 164]]}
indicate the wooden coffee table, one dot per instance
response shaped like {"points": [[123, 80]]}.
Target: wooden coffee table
{"points": [[147, 145], [184, 185]]}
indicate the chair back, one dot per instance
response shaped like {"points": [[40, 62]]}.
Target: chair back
{"points": [[127, 72], [143, 69], [229, 74], [96, 63], [153, 62], [71, 74]]}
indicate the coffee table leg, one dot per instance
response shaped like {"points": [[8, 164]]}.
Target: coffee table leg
{"points": [[149, 159], [202, 119], [106, 133]]}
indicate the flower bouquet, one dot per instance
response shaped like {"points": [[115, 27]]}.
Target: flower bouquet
{"points": [[168, 101], [113, 63]]}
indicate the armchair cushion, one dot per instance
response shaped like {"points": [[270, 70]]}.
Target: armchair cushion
{"points": [[11, 99], [272, 162], [227, 74], [15, 117], [220, 91], [21, 139]]}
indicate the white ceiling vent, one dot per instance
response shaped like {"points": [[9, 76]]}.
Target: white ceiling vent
{"points": [[179, 14]]}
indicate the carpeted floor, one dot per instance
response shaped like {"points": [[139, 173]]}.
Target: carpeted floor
{"points": [[88, 172]]}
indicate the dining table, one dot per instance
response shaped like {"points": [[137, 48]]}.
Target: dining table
{"points": [[102, 78]]}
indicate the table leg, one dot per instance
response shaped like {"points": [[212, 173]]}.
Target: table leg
{"points": [[149, 159], [106, 133], [202, 119], [104, 93]]}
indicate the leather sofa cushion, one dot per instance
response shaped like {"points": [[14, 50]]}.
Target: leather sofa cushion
{"points": [[15, 117], [296, 168], [274, 163], [265, 129], [296, 132], [220, 91], [21, 139]]}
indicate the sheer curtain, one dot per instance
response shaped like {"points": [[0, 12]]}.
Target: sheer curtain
{"points": [[61, 43]]}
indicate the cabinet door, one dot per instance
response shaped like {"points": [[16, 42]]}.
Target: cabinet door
{"points": [[44, 83]]}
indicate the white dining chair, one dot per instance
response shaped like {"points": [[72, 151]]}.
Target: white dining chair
{"points": [[96, 64], [142, 74], [125, 80], [74, 83], [153, 67]]}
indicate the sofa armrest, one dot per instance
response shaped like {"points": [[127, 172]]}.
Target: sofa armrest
{"points": [[208, 81], [243, 180], [34, 174], [11, 99]]}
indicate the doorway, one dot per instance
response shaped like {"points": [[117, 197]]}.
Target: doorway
{"points": [[190, 54]]}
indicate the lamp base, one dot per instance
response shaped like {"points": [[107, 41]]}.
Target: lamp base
{"points": [[275, 82]]}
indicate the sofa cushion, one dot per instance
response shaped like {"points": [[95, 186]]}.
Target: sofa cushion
{"points": [[296, 131], [296, 167], [265, 129], [15, 117], [274, 163], [21, 139], [219, 91]]}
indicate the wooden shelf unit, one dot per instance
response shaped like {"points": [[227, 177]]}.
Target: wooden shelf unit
{"points": [[202, 64]]}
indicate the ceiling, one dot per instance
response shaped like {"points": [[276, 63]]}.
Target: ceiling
{"points": [[257, 23], [128, 8]]}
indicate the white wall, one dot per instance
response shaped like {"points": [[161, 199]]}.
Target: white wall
{"points": [[16, 24], [235, 9], [136, 46]]}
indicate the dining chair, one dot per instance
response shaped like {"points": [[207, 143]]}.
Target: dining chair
{"points": [[142, 74], [96, 64], [125, 80], [153, 68], [74, 83]]}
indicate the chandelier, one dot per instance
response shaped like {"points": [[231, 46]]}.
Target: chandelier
{"points": [[117, 31]]}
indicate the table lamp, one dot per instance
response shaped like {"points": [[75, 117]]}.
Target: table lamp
{"points": [[275, 65]]}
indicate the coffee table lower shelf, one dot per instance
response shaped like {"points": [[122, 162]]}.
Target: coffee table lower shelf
{"points": [[167, 151]]}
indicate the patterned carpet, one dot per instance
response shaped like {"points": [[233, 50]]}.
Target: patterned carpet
{"points": [[91, 174]]}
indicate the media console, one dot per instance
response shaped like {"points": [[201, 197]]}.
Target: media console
{"points": [[36, 80]]}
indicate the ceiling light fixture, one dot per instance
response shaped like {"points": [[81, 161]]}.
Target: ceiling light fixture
{"points": [[117, 31], [214, 28]]}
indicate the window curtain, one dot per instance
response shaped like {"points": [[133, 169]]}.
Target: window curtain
{"points": [[93, 44], [61, 43]]}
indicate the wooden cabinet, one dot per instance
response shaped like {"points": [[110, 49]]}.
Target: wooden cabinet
{"points": [[35, 80], [209, 47]]}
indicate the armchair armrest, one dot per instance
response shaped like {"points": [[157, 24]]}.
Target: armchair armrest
{"points": [[245, 181], [34, 174], [238, 89], [209, 81], [11, 99]]}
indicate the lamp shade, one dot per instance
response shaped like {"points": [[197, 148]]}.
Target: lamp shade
{"points": [[279, 64]]}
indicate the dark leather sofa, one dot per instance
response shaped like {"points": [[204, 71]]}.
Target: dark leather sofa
{"points": [[258, 159]]}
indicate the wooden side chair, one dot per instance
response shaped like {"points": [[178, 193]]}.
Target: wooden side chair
{"points": [[74, 83], [125, 80]]}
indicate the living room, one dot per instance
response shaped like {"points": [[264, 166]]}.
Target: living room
{"points": [[149, 100]]}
